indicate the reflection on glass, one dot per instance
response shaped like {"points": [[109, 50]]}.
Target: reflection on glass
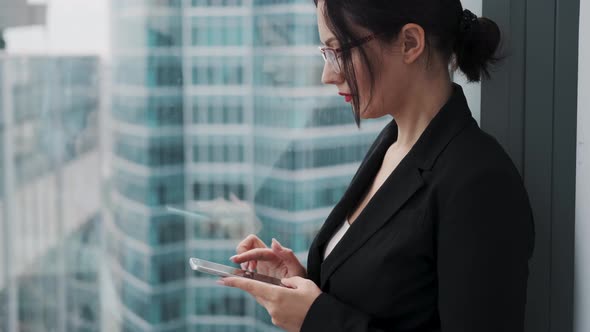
{"points": [[206, 123], [51, 224]]}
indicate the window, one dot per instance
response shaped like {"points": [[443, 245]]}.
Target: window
{"points": [[192, 105], [162, 4], [157, 31], [229, 110], [170, 229], [219, 301], [217, 3], [301, 196], [172, 271], [218, 31], [136, 301], [222, 71], [170, 309], [211, 191]]}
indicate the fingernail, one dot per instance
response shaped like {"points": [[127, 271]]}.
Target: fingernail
{"points": [[233, 257], [244, 266], [220, 282]]}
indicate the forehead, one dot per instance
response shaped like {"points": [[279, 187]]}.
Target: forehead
{"points": [[326, 34], [324, 31]]}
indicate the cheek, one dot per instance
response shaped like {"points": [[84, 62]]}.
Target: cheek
{"points": [[371, 99], [388, 91], [363, 80], [380, 93]]}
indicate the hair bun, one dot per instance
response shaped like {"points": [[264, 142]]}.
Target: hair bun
{"points": [[477, 42], [468, 20]]}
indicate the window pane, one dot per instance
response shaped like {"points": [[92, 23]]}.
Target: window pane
{"points": [[196, 123]]}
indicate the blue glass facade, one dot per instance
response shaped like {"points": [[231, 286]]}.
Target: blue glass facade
{"points": [[302, 130], [154, 107], [38, 290], [215, 100], [49, 240]]}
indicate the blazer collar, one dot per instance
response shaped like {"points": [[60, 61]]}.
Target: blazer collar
{"points": [[449, 121], [401, 184]]}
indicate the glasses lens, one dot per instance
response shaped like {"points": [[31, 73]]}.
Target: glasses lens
{"points": [[333, 60]]}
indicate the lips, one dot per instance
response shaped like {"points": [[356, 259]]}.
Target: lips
{"points": [[347, 96]]}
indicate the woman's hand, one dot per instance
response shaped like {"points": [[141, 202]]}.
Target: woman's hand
{"points": [[287, 306], [277, 261]]}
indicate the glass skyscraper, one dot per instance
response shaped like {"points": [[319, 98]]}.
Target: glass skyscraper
{"points": [[49, 193], [217, 108]]}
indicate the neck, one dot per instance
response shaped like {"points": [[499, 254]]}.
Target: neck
{"points": [[425, 100]]}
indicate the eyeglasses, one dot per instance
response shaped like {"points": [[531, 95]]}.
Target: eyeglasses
{"points": [[333, 55]]}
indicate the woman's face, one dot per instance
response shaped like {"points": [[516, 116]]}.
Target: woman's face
{"points": [[389, 71]]}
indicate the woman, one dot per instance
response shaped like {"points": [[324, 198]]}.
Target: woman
{"points": [[435, 231]]}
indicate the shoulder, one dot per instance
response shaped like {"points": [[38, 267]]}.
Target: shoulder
{"points": [[477, 184], [475, 153], [474, 167]]}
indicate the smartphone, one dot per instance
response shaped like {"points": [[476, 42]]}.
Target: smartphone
{"points": [[204, 266]]}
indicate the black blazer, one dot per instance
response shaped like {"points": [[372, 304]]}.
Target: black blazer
{"points": [[442, 246]]}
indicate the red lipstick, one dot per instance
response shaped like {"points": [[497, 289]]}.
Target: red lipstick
{"points": [[347, 97]]}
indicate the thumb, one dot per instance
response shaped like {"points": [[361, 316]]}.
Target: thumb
{"points": [[294, 282]]}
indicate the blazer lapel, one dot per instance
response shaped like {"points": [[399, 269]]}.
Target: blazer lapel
{"points": [[358, 185], [400, 186], [397, 189]]}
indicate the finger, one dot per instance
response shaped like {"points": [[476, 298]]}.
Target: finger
{"points": [[250, 242], [277, 243], [285, 253], [258, 299], [255, 288], [294, 282], [262, 254]]}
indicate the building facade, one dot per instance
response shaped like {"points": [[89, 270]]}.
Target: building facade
{"points": [[218, 109], [49, 193]]}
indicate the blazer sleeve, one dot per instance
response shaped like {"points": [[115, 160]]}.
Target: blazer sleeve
{"points": [[485, 238], [328, 314]]}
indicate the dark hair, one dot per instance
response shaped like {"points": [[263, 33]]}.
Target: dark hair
{"points": [[449, 30]]}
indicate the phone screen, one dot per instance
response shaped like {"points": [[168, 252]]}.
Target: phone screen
{"points": [[228, 271]]}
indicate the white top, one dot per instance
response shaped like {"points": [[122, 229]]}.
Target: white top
{"points": [[336, 238]]}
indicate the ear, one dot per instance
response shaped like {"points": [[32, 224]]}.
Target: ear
{"points": [[413, 42]]}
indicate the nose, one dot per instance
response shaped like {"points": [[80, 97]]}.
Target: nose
{"points": [[329, 76]]}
